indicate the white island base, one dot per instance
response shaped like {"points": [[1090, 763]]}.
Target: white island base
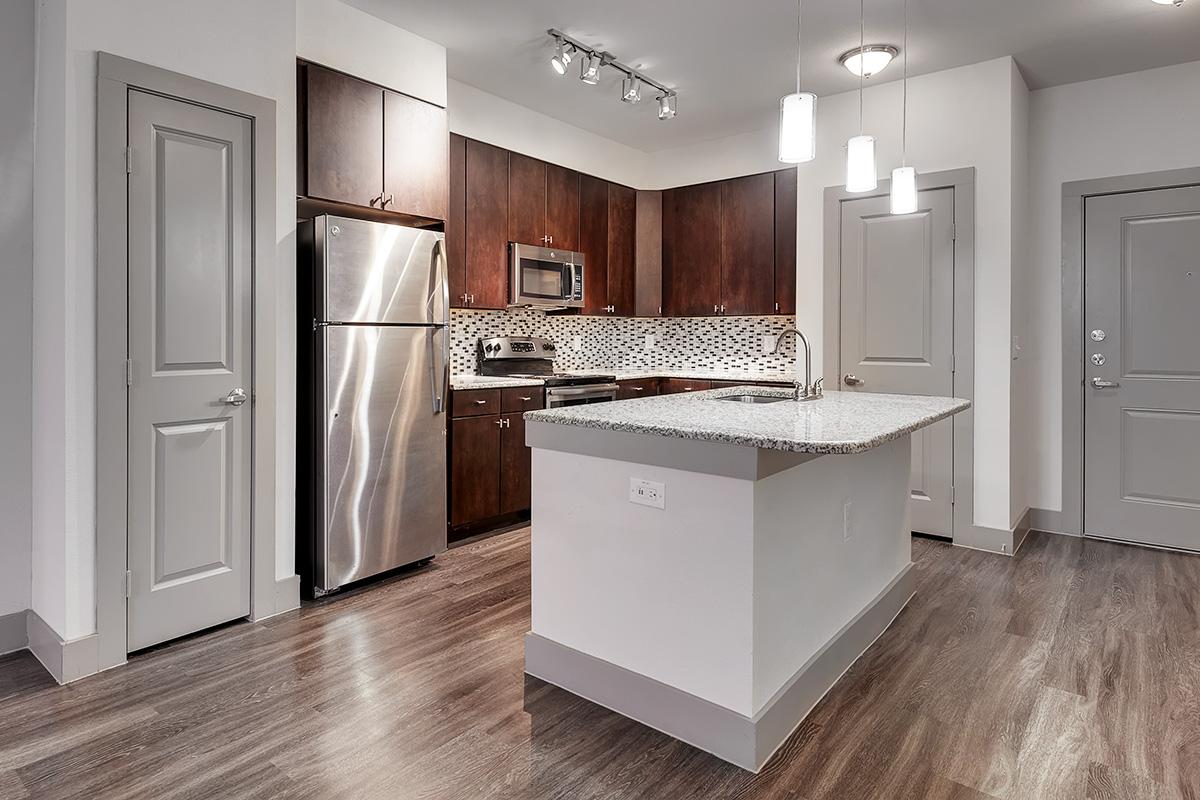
{"points": [[723, 618]]}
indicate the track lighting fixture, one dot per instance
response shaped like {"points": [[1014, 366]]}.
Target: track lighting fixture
{"points": [[562, 56], [631, 89], [591, 66], [666, 106]]}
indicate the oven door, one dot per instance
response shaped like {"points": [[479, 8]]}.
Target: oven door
{"points": [[547, 278], [559, 396]]}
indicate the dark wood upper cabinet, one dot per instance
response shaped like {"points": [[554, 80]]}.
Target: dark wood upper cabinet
{"points": [[415, 156], [748, 245], [785, 241], [692, 250], [474, 469], [622, 248], [342, 158], [456, 222], [486, 219], [593, 242], [562, 207], [526, 199], [648, 254]]}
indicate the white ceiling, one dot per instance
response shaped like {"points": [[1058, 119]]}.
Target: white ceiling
{"points": [[731, 60]]}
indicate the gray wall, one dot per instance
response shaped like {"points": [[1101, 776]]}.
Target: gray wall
{"points": [[16, 303]]}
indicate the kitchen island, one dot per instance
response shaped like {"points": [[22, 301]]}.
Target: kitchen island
{"points": [[710, 564]]}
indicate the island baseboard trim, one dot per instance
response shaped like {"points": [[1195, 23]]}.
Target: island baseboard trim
{"points": [[743, 741]]}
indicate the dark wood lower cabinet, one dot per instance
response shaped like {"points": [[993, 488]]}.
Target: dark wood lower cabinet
{"points": [[515, 465], [677, 385], [474, 469], [630, 389]]}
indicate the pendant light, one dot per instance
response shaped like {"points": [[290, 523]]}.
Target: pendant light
{"points": [[798, 115], [904, 177], [860, 150]]}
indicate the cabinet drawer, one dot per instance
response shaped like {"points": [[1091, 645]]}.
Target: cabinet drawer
{"points": [[521, 398], [475, 402], [675, 385], [627, 390]]}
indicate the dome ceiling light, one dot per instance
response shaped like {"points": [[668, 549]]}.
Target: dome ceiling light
{"points": [[868, 59]]}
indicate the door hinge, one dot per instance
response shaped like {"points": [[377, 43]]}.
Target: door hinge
{"points": [[128, 160], [954, 231], [128, 372], [952, 495], [128, 584]]}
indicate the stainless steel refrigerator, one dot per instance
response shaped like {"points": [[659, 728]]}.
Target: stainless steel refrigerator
{"points": [[373, 368]]}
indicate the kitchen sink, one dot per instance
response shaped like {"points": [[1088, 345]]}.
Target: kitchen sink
{"points": [[752, 398]]}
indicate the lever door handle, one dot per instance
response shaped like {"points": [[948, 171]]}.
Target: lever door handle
{"points": [[1100, 383], [850, 379], [235, 398]]}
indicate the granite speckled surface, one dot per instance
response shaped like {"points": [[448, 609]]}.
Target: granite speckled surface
{"points": [[840, 423], [463, 382]]}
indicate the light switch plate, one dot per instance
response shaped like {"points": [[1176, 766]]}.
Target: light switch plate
{"points": [[649, 341], [647, 493], [768, 343], [847, 520]]}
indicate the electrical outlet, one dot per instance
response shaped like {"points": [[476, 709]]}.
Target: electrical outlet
{"points": [[847, 520], [649, 341], [577, 343], [768, 343], [647, 493]]}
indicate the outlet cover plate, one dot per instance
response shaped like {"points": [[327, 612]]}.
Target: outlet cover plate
{"points": [[647, 493]]}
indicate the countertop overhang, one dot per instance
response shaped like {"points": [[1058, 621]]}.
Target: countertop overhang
{"points": [[462, 381], [840, 423]]}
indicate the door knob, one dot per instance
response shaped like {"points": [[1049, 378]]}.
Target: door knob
{"points": [[1100, 383], [850, 379], [235, 398]]}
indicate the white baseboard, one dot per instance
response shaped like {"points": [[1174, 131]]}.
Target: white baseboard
{"points": [[65, 660], [14, 635], [1004, 541]]}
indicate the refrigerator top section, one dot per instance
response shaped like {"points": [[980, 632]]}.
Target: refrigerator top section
{"points": [[376, 273]]}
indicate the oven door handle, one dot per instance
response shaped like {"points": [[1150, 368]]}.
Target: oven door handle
{"points": [[576, 391]]}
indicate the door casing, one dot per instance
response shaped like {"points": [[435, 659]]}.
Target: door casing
{"points": [[1075, 195], [115, 77], [963, 182]]}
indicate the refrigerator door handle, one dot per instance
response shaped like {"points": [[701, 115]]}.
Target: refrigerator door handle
{"points": [[440, 279], [441, 383]]}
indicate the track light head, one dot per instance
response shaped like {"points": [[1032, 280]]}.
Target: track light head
{"points": [[562, 56], [666, 106], [631, 89], [589, 69]]}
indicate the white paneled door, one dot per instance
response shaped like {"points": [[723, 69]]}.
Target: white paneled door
{"points": [[190, 305], [897, 328], [1142, 367]]}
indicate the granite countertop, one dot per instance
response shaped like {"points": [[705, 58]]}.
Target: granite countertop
{"points": [[839, 423], [463, 381]]}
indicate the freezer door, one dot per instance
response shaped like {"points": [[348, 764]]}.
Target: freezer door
{"points": [[385, 451], [380, 273]]}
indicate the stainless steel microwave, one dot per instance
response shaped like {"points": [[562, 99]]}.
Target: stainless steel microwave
{"points": [[545, 278]]}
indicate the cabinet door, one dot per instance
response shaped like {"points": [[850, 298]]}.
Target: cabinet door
{"points": [[692, 250], [474, 469], [487, 225], [515, 465], [415, 156], [630, 389], [785, 241], [526, 200], [748, 245], [344, 138], [562, 207], [622, 247], [456, 222], [647, 260], [678, 385], [593, 242]]}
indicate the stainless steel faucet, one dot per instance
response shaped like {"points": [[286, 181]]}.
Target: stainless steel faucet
{"points": [[809, 390]]}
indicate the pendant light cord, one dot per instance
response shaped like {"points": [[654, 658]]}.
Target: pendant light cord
{"points": [[799, 42], [904, 97], [862, 45]]}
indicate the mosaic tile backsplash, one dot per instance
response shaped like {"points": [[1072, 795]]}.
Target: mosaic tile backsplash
{"points": [[586, 342]]}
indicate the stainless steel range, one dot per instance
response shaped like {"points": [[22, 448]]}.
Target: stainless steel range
{"points": [[532, 357]]}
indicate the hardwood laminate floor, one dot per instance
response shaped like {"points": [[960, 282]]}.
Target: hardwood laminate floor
{"points": [[1069, 671]]}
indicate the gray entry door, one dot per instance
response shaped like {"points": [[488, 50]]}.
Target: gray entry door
{"points": [[1142, 403], [190, 351], [897, 328]]}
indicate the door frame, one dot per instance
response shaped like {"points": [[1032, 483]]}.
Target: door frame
{"points": [[1074, 196], [115, 76], [962, 180]]}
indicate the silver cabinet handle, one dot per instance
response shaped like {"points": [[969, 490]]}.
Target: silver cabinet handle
{"points": [[526, 399], [481, 402], [1100, 383], [235, 398], [850, 379], [638, 388], [386, 199], [715, 309]]}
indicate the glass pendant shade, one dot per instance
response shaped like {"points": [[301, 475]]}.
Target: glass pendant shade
{"points": [[860, 164], [904, 190], [797, 128]]}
